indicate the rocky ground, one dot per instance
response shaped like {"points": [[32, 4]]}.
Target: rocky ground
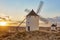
{"points": [[35, 35]]}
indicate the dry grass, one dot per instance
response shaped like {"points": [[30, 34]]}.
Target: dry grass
{"points": [[34, 35]]}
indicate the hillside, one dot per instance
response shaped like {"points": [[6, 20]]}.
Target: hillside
{"points": [[54, 19]]}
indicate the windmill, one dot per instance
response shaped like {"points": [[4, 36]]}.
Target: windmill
{"points": [[32, 19]]}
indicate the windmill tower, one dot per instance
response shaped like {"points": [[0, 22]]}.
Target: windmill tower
{"points": [[32, 21]]}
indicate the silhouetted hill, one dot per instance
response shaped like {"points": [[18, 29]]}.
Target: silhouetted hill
{"points": [[55, 19]]}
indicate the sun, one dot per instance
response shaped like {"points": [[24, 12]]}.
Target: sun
{"points": [[3, 23]]}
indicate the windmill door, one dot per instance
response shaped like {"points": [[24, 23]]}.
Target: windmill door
{"points": [[28, 28]]}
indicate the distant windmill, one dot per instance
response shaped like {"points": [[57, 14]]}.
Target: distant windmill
{"points": [[32, 19]]}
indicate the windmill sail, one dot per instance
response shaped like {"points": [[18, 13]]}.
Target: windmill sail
{"points": [[27, 10], [43, 19], [40, 7], [38, 11], [22, 22]]}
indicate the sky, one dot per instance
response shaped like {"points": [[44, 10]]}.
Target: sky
{"points": [[16, 8]]}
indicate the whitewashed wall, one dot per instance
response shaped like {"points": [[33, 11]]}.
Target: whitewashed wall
{"points": [[33, 22]]}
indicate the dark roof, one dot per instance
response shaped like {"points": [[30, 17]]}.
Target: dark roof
{"points": [[32, 13], [53, 25]]}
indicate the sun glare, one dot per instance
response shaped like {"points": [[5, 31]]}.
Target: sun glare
{"points": [[3, 23]]}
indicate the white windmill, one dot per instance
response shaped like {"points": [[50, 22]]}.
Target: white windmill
{"points": [[32, 19]]}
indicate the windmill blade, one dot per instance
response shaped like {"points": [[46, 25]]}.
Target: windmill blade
{"points": [[27, 10], [40, 7], [39, 10], [21, 22], [43, 19]]}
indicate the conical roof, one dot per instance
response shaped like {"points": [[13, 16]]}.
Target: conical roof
{"points": [[32, 13]]}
